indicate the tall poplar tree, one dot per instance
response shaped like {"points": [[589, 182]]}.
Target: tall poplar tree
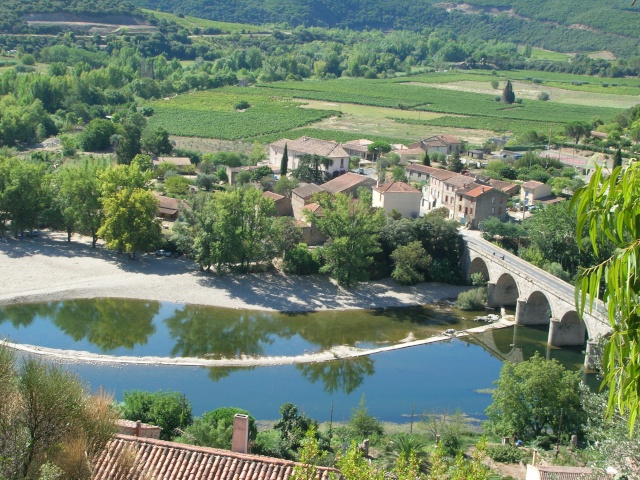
{"points": [[284, 163]]}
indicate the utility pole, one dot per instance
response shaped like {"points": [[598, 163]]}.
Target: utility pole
{"points": [[413, 408]]}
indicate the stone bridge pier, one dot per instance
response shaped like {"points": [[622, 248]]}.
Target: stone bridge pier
{"points": [[538, 297]]}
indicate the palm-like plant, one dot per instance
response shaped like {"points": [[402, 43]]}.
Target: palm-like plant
{"points": [[405, 446]]}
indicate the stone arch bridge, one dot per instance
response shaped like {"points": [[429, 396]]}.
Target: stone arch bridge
{"points": [[539, 298]]}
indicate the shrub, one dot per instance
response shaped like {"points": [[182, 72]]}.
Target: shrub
{"points": [[300, 261], [168, 410], [505, 453], [544, 96], [478, 280], [472, 299], [242, 105]]}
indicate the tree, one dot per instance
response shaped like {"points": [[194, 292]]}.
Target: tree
{"points": [[96, 135], [617, 159], [143, 162], [165, 409], [411, 261], [376, 149], [426, 160], [46, 416], [126, 143], [215, 428], [455, 164], [534, 396], [577, 130], [363, 425], [398, 175], [309, 168], [22, 192], [285, 185], [130, 223], [284, 162], [354, 229], [507, 93], [176, 186], [293, 427], [156, 141], [609, 208]]}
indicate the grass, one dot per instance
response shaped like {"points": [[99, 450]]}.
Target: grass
{"points": [[542, 54]]}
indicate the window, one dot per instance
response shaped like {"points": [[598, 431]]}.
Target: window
{"points": [[471, 211], [501, 200], [342, 163], [493, 199], [493, 211], [460, 208], [499, 210], [466, 211]]}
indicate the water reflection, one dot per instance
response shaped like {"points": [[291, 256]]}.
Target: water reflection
{"points": [[339, 376], [24, 315], [107, 323]]}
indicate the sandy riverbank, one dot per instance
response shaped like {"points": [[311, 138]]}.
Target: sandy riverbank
{"points": [[50, 269]]}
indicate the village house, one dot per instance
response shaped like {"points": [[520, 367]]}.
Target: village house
{"points": [[348, 184], [310, 146], [358, 148], [532, 190], [410, 155], [479, 202], [168, 208], [232, 172], [282, 203], [127, 456], [398, 196], [301, 196], [446, 144], [311, 234]]}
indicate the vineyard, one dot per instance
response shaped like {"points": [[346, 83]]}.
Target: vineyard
{"points": [[275, 107], [213, 114], [190, 22]]}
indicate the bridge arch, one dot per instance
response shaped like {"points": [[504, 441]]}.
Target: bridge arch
{"points": [[478, 265], [568, 330], [535, 310], [505, 292]]}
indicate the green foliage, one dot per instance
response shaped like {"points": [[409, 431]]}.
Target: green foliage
{"points": [[300, 261], [96, 135], [46, 416], [608, 207], [23, 193], [478, 280], [475, 299], [411, 261], [168, 410], [449, 428], [215, 428], [284, 162], [176, 186], [534, 396], [455, 163], [156, 141], [242, 105], [362, 425], [505, 453], [353, 229], [294, 428], [507, 93]]}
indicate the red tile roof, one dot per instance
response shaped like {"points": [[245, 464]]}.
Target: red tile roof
{"points": [[476, 191], [563, 473], [162, 460], [438, 173], [345, 182], [307, 190], [272, 195], [396, 187]]}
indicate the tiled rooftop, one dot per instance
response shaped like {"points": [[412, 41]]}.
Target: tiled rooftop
{"points": [[532, 184], [396, 187], [344, 182], [132, 458], [272, 195], [307, 190], [313, 146]]}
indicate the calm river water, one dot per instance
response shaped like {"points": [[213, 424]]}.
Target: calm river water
{"points": [[453, 374]]}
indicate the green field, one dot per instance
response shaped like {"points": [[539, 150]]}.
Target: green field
{"points": [[191, 22], [346, 109], [212, 114], [542, 54]]}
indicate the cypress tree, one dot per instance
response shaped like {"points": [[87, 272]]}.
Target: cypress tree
{"points": [[617, 159], [507, 93], [426, 160], [284, 163]]}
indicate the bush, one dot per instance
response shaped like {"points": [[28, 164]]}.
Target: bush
{"points": [[300, 261], [168, 410], [505, 453], [363, 425], [242, 105], [472, 299], [544, 96]]}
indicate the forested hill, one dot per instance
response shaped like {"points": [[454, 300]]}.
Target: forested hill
{"points": [[559, 25], [13, 13]]}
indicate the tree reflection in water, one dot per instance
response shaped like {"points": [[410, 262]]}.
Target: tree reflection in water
{"points": [[339, 375], [24, 315], [218, 373], [229, 334], [108, 323]]}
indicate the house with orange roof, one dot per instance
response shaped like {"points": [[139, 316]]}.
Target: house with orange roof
{"points": [[532, 190], [128, 457], [349, 183], [398, 196], [310, 146], [477, 202], [282, 203]]}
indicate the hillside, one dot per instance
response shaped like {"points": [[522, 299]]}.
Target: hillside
{"points": [[557, 25]]}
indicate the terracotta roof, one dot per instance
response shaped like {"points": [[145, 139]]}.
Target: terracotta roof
{"points": [[438, 173], [440, 140], [458, 180], [475, 192], [307, 190], [178, 161], [167, 203], [274, 196], [313, 208], [532, 184], [563, 473], [396, 187], [162, 460], [313, 146], [344, 182], [502, 185]]}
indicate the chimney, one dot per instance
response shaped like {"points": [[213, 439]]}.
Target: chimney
{"points": [[240, 437], [138, 428], [535, 457], [482, 190]]}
